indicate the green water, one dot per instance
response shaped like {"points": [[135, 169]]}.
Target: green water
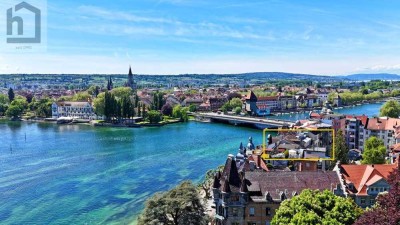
{"points": [[77, 174]]}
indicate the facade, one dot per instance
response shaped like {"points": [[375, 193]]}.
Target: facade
{"points": [[79, 110], [217, 102], [363, 183], [286, 102], [260, 106], [252, 197]]}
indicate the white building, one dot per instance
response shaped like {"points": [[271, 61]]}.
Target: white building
{"points": [[79, 110]]}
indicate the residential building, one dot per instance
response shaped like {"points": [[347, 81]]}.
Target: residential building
{"points": [[363, 183], [252, 197], [217, 102]]}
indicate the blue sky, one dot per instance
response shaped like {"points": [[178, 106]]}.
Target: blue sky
{"points": [[216, 36]]}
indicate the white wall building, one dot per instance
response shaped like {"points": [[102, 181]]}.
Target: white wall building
{"points": [[80, 110]]}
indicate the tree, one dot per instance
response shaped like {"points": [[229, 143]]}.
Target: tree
{"points": [[390, 109], [180, 112], [207, 182], [122, 91], [11, 95], [192, 108], [236, 102], [341, 149], [179, 206], [42, 108], [154, 116], [94, 90], [374, 151], [316, 207], [99, 104], [82, 96], [166, 110], [387, 208], [17, 106], [238, 110], [13, 111], [3, 99]]}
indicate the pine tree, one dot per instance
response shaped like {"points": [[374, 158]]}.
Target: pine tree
{"points": [[11, 95]]}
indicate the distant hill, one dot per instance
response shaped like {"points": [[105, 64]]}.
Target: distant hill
{"points": [[379, 76]]}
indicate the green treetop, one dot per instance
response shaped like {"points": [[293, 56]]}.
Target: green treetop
{"points": [[390, 109], [316, 207], [179, 206], [374, 151]]}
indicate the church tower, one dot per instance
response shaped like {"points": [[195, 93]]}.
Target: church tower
{"points": [[110, 84], [131, 83]]}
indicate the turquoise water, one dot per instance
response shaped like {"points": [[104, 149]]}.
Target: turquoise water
{"points": [[77, 174], [368, 110]]}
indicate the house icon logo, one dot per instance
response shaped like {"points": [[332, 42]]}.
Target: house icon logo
{"points": [[11, 20]]}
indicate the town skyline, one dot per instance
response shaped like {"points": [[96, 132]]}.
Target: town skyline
{"points": [[205, 37]]}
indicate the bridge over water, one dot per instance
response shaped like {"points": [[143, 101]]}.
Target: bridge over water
{"points": [[260, 123]]}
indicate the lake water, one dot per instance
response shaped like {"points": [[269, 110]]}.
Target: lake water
{"points": [[368, 109], [78, 174]]}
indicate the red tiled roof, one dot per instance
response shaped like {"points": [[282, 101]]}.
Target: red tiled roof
{"points": [[383, 123], [395, 147], [364, 175]]}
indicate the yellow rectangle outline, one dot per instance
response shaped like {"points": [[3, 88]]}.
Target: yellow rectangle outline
{"points": [[295, 130]]}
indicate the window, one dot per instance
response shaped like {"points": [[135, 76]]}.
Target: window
{"points": [[267, 211], [234, 198], [235, 212], [372, 201], [362, 201], [251, 211]]}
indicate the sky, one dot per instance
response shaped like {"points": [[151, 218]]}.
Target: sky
{"points": [[215, 36]]}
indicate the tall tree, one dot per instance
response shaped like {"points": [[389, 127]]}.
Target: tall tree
{"points": [[316, 207], [390, 109], [374, 151], [387, 208], [11, 95], [341, 149], [179, 206]]}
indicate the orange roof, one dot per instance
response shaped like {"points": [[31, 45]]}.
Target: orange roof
{"points": [[395, 147], [363, 176], [383, 123]]}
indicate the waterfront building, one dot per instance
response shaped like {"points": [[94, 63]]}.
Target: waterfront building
{"points": [[363, 183], [252, 197], [286, 102], [79, 110], [337, 101], [260, 106]]}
